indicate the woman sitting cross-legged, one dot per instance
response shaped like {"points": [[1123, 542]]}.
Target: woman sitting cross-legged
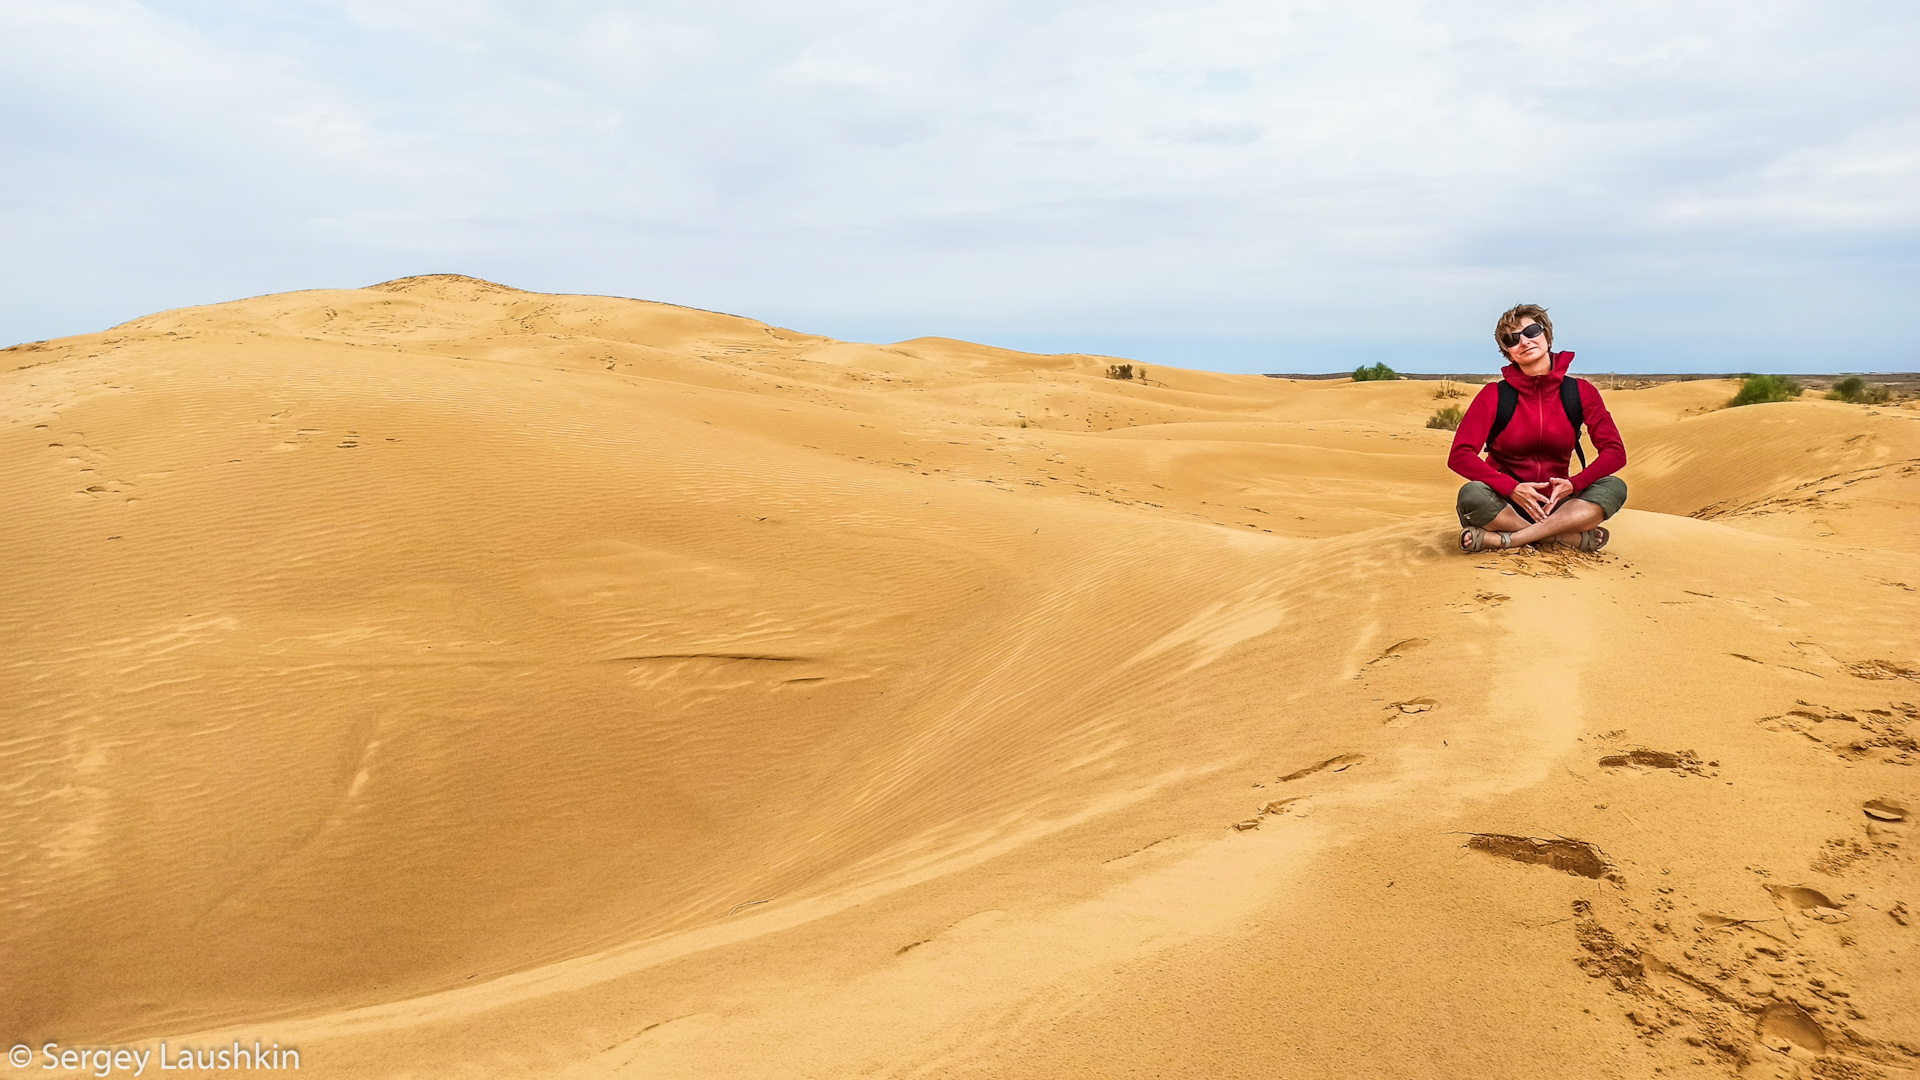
{"points": [[1527, 424]]}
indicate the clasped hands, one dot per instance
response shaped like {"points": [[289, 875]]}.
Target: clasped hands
{"points": [[1540, 497]]}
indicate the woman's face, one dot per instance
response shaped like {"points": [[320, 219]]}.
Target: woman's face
{"points": [[1530, 351]]}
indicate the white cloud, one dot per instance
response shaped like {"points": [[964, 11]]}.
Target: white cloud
{"points": [[1234, 184]]}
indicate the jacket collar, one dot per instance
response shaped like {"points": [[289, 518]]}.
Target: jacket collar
{"points": [[1522, 381]]}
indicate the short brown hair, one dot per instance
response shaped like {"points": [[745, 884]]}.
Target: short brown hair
{"points": [[1511, 319]]}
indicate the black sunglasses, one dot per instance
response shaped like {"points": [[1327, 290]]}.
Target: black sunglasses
{"points": [[1532, 330]]}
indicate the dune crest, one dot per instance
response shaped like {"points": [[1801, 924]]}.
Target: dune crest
{"points": [[439, 675]]}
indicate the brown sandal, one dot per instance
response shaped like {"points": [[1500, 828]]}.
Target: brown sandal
{"points": [[1593, 539], [1473, 538]]}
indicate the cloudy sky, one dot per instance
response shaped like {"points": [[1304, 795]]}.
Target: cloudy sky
{"points": [[1244, 186]]}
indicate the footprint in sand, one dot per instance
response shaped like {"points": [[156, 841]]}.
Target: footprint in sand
{"points": [[1885, 809], [1714, 920], [1812, 903], [1878, 670], [1567, 856], [1887, 820], [1401, 713], [1872, 734], [1683, 761], [1296, 807], [1785, 1028], [1333, 764], [1398, 650]]}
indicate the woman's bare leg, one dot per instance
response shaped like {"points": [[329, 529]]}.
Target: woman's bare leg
{"points": [[1569, 519], [1506, 521]]}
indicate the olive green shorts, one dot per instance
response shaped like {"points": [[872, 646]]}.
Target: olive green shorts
{"points": [[1479, 504]]}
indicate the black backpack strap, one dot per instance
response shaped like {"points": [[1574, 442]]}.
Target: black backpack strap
{"points": [[1576, 412], [1502, 415]]}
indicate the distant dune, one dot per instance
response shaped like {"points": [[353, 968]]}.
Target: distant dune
{"points": [[449, 680]]}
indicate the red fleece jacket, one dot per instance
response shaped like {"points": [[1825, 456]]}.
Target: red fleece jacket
{"points": [[1537, 444]]}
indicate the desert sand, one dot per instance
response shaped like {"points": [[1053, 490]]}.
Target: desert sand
{"points": [[453, 681]]}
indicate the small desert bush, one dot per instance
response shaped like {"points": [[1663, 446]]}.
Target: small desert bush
{"points": [[1126, 371], [1859, 391], [1376, 373], [1446, 418], [1448, 390], [1760, 389]]}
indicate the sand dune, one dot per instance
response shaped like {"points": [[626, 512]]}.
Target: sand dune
{"points": [[451, 680]]}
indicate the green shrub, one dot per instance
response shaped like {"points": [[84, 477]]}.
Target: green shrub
{"points": [[1760, 389], [1123, 371], [1858, 391], [1376, 373], [1447, 418]]}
